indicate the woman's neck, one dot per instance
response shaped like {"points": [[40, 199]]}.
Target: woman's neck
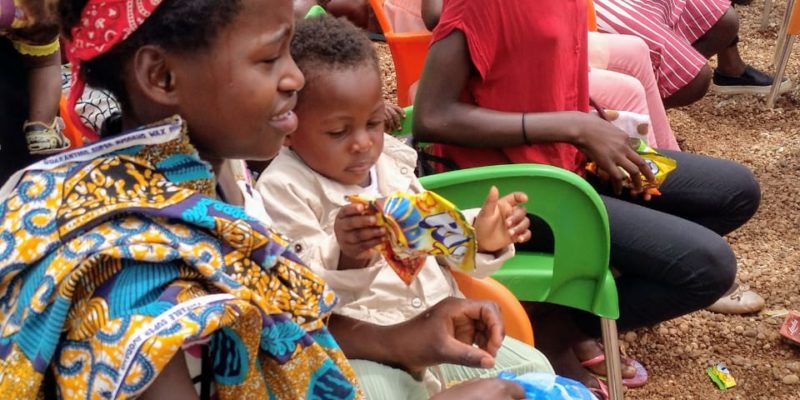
{"points": [[132, 120]]}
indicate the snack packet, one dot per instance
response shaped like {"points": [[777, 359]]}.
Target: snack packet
{"points": [[659, 164], [720, 375], [418, 226]]}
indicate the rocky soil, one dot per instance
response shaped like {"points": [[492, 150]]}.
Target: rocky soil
{"points": [[768, 141]]}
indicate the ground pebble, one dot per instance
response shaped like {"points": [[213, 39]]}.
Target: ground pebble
{"points": [[791, 379]]}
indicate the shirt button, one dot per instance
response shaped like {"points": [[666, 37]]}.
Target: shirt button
{"points": [[404, 170], [298, 248], [416, 302]]}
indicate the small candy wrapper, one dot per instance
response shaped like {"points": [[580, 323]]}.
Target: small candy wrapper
{"points": [[791, 327], [419, 226], [541, 386], [659, 164], [720, 375]]}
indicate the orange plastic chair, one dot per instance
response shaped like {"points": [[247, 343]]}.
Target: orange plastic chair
{"points": [[515, 319], [591, 16], [70, 130], [786, 37], [408, 49]]}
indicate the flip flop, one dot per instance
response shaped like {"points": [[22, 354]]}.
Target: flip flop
{"points": [[602, 392], [638, 380]]}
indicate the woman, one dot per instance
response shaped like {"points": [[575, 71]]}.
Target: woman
{"points": [[477, 100]]}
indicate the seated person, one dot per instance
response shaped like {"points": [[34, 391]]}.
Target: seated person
{"points": [[482, 109], [340, 149], [120, 258], [682, 36], [30, 78], [620, 78]]}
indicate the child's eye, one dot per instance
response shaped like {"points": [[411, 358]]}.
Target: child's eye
{"points": [[338, 132], [271, 60], [374, 124]]}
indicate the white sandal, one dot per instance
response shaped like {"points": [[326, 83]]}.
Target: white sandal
{"points": [[43, 139]]}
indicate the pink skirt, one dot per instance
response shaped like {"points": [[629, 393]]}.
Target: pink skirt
{"points": [[669, 27]]}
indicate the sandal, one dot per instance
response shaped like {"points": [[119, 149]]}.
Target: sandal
{"points": [[638, 380], [602, 392], [43, 139]]}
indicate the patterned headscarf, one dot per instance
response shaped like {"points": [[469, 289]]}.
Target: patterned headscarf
{"points": [[103, 25]]}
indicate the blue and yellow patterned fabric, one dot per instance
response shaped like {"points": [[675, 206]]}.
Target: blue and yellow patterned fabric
{"points": [[116, 256]]}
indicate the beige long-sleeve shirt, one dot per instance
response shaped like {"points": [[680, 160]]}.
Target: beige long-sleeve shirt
{"points": [[303, 205]]}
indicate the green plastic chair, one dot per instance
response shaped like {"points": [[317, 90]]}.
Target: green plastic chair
{"points": [[577, 274], [315, 11]]}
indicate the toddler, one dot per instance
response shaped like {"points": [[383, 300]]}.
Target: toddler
{"points": [[340, 149]]}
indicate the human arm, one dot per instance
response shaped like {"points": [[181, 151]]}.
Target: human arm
{"points": [[298, 209], [445, 333], [357, 234], [431, 11], [439, 116]]}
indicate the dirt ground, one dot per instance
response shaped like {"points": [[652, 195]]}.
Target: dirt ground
{"points": [[740, 128]]}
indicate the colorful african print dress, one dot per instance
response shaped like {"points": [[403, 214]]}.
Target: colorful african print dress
{"points": [[114, 256]]}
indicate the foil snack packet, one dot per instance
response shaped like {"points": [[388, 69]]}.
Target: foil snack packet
{"points": [[418, 226], [659, 164]]}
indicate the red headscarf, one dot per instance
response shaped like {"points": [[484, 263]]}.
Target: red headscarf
{"points": [[103, 25]]}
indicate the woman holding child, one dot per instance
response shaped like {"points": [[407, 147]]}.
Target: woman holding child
{"points": [[477, 98], [120, 258]]}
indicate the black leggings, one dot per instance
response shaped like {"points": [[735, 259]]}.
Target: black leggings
{"points": [[670, 251]]}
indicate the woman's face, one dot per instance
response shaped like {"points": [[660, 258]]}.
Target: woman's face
{"points": [[238, 95]]}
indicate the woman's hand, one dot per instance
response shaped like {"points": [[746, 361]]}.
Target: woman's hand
{"points": [[501, 221], [446, 333], [357, 232], [480, 389], [610, 148]]}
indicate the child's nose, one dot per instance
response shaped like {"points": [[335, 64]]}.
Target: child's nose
{"points": [[361, 142]]}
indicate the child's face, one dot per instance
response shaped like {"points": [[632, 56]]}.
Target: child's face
{"points": [[340, 133], [238, 96]]}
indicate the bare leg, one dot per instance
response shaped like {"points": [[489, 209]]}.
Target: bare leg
{"points": [[720, 40], [173, 382], [693, 91]]}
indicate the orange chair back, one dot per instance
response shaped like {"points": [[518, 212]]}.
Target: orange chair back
{"points": [[515, 319], [591, 16], [408, 49], [70, 130], [794, 20]]}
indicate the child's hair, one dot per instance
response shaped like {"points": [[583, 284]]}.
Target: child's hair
{"points": [[176, 26], [324, 43]]}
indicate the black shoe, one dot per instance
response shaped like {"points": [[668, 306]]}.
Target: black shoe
{"points": [[752, 81]]}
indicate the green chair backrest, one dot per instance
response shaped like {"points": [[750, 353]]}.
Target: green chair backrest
{"points": [[315, 11], [577, 273]]}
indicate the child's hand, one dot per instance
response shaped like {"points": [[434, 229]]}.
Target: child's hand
{"points": [[357, 232], [393, 117], [501, 221]]}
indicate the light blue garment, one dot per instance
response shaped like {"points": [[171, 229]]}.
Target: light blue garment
{"points": [[542, 386]]}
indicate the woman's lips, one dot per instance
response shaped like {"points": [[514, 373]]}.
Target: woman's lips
{"points": [[285, 122]]}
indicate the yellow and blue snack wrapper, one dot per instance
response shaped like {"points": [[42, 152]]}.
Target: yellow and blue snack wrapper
{"points": [[418, 226], [659, 164], [721, 376]]}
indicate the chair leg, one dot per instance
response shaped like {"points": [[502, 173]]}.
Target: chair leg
{"points": [[765, 15], [782, 32], [613, 363], [782, 55]]}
